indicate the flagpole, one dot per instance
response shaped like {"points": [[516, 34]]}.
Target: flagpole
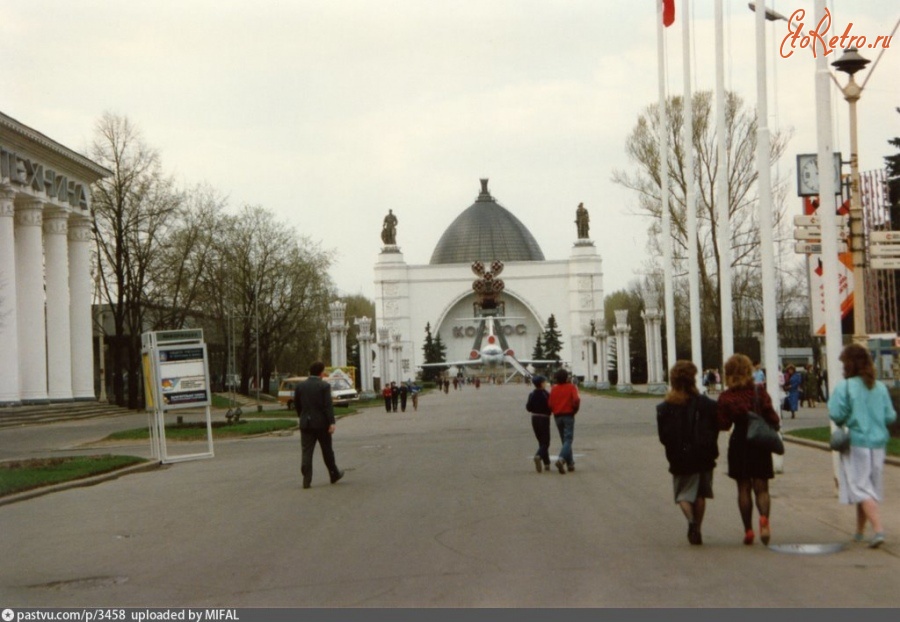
{"points": [[723, 210], [766, 243], [690, 198], [666, 225]]}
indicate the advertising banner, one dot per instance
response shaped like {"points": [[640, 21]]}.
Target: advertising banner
{"points": [[183, 376]]}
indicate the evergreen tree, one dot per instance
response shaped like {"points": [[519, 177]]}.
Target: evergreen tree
{"points": [[440, 350], [552, 339], [433, 351], [538, 352]]}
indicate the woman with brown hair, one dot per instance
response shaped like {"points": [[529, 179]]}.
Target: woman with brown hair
{"points": [[687, 426], [749, 466], [863, 405]]}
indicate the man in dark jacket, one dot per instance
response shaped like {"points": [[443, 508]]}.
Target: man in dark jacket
{"points": [[312, 400]]}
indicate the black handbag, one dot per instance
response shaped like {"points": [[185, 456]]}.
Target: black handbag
{"points": [[761, 434]]}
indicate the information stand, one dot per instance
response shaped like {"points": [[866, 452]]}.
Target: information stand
{"points": [[176, 377]]}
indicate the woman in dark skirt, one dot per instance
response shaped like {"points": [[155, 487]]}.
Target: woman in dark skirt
{"points": [[749, 466]]}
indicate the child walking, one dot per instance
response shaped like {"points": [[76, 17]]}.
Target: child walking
{"points": [[539, 407]]}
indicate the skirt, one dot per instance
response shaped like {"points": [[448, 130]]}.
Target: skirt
{"points": [[690, 487], [861, 475]]}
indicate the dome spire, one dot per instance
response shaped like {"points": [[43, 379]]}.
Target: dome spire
{"points": [[485, 195]]}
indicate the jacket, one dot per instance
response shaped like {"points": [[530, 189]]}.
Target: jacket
{"points": [[689, 432], [866, 412], [564, 399], [538, 402], [312, 401]]}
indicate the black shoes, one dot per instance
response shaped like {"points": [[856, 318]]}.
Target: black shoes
{"points": [[307, 482], [561, 465], [693, 534], [336, 477]]}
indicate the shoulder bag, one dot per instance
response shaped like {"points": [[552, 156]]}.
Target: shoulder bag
{"points": [[760, 433], [840, 439]]}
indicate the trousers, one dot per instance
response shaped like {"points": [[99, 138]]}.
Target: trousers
{"points": [[308, 439]]}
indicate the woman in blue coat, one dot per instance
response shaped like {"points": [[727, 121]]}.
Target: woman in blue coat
{"points": [[863, 405], [792, 386]]}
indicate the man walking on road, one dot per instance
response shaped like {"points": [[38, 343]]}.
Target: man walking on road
{"points": [[312, 399]]}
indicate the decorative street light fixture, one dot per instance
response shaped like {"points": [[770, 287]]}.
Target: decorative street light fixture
{"points": [[850, 63]]}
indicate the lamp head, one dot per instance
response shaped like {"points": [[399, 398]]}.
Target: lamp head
{"points": [[850, 62]]}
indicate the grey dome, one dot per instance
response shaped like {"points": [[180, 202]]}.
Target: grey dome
{"points": [[484, 232]]}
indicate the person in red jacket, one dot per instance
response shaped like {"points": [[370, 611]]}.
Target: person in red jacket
{"points": [[564, 403]]}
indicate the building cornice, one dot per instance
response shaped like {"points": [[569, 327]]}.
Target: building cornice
{"points": [[96, 171]]}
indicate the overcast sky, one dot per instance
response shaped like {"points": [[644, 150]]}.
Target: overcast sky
{"points": [[331, 112]]}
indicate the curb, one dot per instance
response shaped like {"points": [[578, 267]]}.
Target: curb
{"points": [[77, 483], [892, 460]]}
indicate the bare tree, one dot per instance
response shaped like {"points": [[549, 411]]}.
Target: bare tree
{"points": [[132, 211], [273, 285], [642, 148]]}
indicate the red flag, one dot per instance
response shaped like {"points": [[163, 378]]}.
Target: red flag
{"points": [[668, 12]]}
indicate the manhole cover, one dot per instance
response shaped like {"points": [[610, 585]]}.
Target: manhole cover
{"points": [[808, 549]]}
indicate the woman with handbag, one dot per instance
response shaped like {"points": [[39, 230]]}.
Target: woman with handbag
{"points": [[863, 405], [749, 465], [687, 426]]}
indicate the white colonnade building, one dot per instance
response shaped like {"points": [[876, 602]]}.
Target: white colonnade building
{"points": [[45, 268], [407, 297]]}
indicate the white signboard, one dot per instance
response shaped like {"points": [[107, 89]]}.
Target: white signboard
{"points": [[183, 376], [816, 247], [885, 263], [884, 250], [879, 237]]}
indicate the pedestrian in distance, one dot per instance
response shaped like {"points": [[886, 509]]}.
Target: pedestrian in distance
{"points": [[312, 401], [759, 376], [395, 396], [863, 405], [564, 404], [414, 391], [748, 465], [811, 387], [792, 384], [386, 394], [688, 428], [404, 395], [539, 407]]}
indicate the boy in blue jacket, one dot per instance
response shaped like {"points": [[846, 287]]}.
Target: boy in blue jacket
{"points": [[539, 408]]}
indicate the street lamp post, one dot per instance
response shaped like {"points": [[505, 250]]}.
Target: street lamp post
{"points": [[851, 62]]}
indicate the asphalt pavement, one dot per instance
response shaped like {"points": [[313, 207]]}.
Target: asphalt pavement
{"points": [[439, 508]]}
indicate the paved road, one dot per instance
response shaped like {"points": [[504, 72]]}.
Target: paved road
{"points": [[439, 508]]}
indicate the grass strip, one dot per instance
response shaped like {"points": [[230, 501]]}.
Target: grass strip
{"points": [[823, 435], [21, 475], [615, 393], [196, 431]]}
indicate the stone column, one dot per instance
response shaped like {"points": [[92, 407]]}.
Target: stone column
{"points": [[384, 356], [397, 348], [623, 352], [588, 343], [59, 333], [9, 336], [603, 358], [338, 329], [364, 339], [80, 319], [653, 332], [30, 302]]}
